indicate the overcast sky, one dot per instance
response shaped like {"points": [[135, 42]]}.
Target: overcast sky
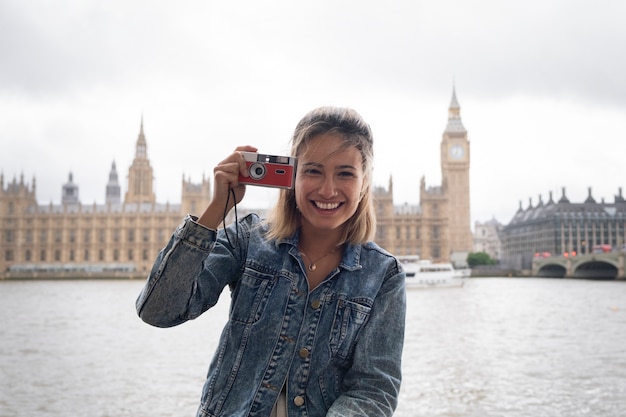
{"points": [[541, 84]]}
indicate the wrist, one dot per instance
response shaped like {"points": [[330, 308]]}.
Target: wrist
{"points": [[212, 217]]}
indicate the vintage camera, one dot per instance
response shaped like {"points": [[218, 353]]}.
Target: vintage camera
{"points": [[269, 170]]}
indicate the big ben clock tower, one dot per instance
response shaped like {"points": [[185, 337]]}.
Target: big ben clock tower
{"points": [[455, 163]]}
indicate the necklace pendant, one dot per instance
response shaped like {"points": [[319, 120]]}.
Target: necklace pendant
{"points": [[312, 267]]}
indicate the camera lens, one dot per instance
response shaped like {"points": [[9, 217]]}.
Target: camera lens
{"points": [[257, 171]]}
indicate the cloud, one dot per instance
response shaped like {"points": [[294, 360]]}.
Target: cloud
{"points": [[540, 85]]}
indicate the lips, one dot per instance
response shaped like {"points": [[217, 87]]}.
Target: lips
{"points": [[326, 206]]}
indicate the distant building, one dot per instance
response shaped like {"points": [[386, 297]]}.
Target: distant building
{"points": [[72, 239], [555, 228], [439, 227], [487, 239]]}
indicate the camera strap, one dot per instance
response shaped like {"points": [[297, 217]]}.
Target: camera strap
{"points": [[231, 192]]}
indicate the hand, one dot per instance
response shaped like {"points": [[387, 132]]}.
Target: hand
{"points": [[226, 176]]}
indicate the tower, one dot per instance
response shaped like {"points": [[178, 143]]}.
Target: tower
{"points": [[455, 164], [140, 176], [69, 193], [195, 197], [113, 192]]}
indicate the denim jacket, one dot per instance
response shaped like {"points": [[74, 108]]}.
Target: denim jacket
{"points": [[336, 349]]}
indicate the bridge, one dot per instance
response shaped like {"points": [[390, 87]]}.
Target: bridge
{"points": [[608, 265]]}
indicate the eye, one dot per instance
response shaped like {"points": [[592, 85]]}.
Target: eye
{"points": [[311, 171], [346, 174]]}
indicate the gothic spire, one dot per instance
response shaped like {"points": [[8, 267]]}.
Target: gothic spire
{"points": [[455, 125], [69, 192], [113, 190], [141, 143]]}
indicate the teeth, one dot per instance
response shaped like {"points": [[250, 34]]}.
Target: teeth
{"points": [[326, 206]]}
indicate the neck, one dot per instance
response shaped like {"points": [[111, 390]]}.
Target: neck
{"points": [[319, 241]]}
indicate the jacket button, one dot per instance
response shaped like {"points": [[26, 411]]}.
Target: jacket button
{"points": [[315, 304], [304, 353], [298, 400]]}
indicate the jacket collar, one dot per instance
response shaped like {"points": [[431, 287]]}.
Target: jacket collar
{"points": [[351, 260]]}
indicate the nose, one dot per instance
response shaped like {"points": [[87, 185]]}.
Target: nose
{"points": [[327, 188]]}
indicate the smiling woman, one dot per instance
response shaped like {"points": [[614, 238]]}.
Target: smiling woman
{"points": [[324, 305]]}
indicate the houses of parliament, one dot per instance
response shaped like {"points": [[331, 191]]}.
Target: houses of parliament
{"points": [[122, 237]]}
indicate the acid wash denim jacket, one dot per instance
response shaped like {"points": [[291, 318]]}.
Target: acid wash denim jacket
{"points": [[336, 350]]}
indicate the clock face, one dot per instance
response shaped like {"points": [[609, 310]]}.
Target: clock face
{"points": [[457, 151]]}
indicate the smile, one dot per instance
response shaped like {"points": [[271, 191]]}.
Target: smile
{"points": [[326, 206]]}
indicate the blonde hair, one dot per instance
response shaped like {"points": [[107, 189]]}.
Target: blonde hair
{"points": [[284, 220]]}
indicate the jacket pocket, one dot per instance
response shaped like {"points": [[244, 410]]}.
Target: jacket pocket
{"points": [[251, 295], [350, 316]]}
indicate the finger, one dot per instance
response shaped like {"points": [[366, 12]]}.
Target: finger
{"points": [[243, 164], [227, 172], [246, 148]]}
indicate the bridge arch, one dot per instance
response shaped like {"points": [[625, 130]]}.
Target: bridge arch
{"points": [[596, 269], [552, 271]]}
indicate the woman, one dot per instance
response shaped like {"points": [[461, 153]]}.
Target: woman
{"points": [[317, 314]]}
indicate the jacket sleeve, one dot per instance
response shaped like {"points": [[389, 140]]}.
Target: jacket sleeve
{"points": [[373, 381], [185, 281]]}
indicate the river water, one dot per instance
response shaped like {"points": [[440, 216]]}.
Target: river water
{"points": [[497, 347]]}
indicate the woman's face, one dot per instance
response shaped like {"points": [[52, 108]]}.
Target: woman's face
{"points": [[329, 182]]}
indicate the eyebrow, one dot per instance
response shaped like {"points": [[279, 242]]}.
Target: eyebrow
{"points": [[346, 167]]}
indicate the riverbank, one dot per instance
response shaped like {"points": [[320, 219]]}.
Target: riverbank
{"points": [[71, 276], [486, 271], [483, 271]]}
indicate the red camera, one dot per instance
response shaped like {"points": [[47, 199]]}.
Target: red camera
{"points": [[269, 170]]}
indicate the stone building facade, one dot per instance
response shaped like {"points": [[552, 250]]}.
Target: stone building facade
{"points": [[563, 228], [118, 238], [487, 238]]}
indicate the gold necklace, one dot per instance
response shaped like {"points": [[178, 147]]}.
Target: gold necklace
{"points": [[313, 263]]}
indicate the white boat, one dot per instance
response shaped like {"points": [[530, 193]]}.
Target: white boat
{"points": [[463, 272], [426, 274]]}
